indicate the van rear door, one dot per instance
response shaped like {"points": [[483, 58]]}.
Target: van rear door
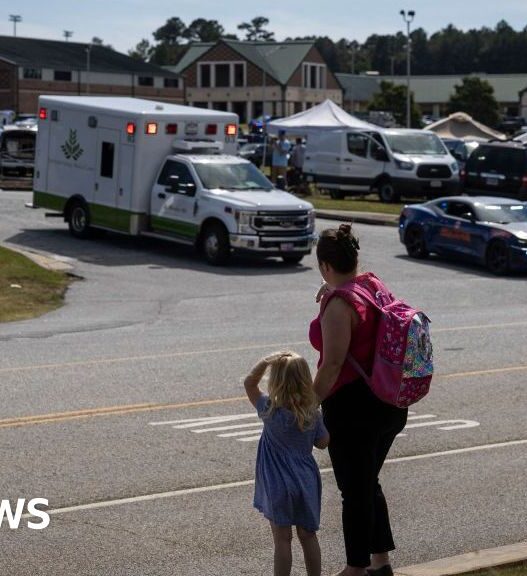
{"points": [[106, 176]]}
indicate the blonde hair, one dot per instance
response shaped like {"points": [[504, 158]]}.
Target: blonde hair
{"points": [[291, 386]]}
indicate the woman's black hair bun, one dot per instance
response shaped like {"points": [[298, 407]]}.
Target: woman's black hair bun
{"points": [[344, 231]]}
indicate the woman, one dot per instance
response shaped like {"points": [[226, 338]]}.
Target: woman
{"points": [[362, 428]]}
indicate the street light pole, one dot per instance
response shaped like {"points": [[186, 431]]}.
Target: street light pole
{"points": [[408, 18], [88, 63], [67, 34], [15, 18]]}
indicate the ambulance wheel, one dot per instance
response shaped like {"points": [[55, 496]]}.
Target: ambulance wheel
{"points": [[215, 244], [79, 219]]}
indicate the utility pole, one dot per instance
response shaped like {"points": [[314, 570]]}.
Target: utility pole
{"points": [[408, 18], [88, 55], [15, 18]]}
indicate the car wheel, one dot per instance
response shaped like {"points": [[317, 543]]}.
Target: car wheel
{"points": [[79, 219], [292, 259], [498, 258], [387, 191], [336, 194], [415, 243], [215, 244]]}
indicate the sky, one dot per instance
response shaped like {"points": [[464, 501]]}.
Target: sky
{"points": [[123, 23]]}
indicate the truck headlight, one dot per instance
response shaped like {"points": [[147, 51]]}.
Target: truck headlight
{"points": [[243, 220], [454, 167], [311, 220], [404, 164]]}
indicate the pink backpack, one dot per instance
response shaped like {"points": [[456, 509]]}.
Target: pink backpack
{"points": [[403, 361]]}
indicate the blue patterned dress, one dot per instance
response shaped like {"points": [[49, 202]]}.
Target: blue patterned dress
{"points": [[288, 487]]}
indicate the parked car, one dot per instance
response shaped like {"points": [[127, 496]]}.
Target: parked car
{"points": [[511, 124], [484, 229], [254, 153], [17, 151], [497, 169], [460, 149]]}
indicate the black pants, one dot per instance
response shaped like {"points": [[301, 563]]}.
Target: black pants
{"points": [[362, 430]]}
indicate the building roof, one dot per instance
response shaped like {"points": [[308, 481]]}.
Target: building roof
{"points": [[61, 55], [432, 89], [278, 59], [358, 87]]}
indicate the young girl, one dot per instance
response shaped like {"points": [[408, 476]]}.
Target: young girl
{"points": [[288, 485]]}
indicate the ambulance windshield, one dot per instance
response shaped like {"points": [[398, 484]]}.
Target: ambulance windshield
{"points": [[231, 176]]}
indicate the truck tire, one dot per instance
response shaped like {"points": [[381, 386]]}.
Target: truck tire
{"points": [[336, 194], [215, 244], [292, 259], [387, 192], [79, 219]]}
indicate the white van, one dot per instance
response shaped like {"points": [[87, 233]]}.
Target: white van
{"points": [[395, 162], [154, 169]]}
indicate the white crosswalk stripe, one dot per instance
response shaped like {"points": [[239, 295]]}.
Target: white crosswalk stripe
{"points": [[232, 425]]}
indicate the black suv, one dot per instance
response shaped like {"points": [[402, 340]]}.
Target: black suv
{"points": [[497, 169]]}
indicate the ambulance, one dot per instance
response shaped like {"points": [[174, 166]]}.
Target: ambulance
{"points": [[166, 171]]}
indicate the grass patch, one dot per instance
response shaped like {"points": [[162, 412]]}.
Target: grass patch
{"points": [[511, 570], [26, 289], [368, 203]]}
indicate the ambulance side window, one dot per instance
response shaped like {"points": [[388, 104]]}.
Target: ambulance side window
{"points": [[107, 157], [173, 168]]}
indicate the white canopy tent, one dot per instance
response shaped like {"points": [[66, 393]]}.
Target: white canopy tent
{"points": [[463, 126], [324, 116]]}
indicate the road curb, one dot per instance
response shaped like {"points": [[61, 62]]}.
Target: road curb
{"points": [[479, 560], [359, 217], [48, 261]]}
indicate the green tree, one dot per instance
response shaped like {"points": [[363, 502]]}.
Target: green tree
{"points": [[476, 98], [392, 98], [142, 51], [201, 30], [171, 33], [99, 42], [255, 31]]}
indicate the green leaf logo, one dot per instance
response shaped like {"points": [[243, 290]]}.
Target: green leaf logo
{"points": [[71, 147]]}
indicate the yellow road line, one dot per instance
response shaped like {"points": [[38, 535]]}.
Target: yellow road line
{"points": [[108, 411], [135, 408]]}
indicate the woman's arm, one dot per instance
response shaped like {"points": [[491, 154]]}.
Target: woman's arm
{"points": [[338, 322]]}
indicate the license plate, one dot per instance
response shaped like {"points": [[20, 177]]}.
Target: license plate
{"points": [[491, 181], [286, 246], [436, 184]]}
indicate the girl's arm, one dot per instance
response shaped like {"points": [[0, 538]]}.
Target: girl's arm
{"points": [[253, 379], [338, 322], [323, 442]]}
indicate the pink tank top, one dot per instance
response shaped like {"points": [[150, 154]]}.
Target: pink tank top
{"points": [[362, 344]]}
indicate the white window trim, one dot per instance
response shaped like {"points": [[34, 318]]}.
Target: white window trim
{"points": [[231, 64], [321, 75]]}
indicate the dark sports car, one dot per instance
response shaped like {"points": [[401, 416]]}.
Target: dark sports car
{"points": [[492, 231]]}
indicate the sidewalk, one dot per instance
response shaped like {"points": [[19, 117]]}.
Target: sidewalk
{"points": [[359, 217], [489, 558]]}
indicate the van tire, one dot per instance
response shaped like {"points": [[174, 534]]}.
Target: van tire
{"points": [[79, 219], [415, 242], [335, 194], [215, 244], [387, 191]]}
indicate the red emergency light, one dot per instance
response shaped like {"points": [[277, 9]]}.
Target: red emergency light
{"points": [[171, 129], [211, 129], [43, 113], [231, 130], [130, 128], [151, 128]]}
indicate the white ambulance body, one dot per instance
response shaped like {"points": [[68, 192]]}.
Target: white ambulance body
{"points": [[148, 168]]}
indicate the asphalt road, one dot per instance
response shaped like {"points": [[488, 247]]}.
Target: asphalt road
{"points": [[125, 408]]}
